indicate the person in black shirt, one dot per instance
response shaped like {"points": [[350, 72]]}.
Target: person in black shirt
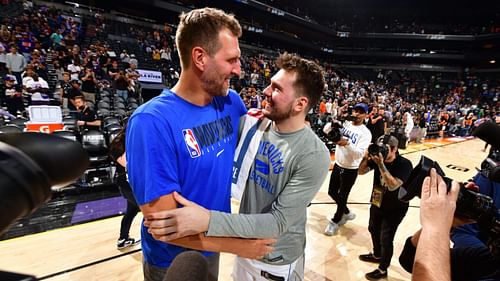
{"points": [[89, 83], [386, 211], [377, 123], [12, 96], [87, 118], [117, 153], [72, 93]]}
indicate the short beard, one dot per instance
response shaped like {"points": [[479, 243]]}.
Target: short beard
{"points": [[279, 116]]}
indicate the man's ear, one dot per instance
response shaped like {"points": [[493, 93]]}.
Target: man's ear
{"points": [[301, 104], [199, 58]]}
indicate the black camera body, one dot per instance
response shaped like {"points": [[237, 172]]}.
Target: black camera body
{"points": [[381, 147], [490, 167], [335, 135], [470, 204], [374, 149]]}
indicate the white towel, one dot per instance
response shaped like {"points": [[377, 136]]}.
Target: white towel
{"points": [[254, 125]]}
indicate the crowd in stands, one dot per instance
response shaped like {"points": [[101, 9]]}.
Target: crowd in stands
{"points": [[436, 107], [42, 43], [362, 23]]}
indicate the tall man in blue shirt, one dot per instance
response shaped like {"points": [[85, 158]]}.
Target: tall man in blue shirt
{"points": [[184, 140]]}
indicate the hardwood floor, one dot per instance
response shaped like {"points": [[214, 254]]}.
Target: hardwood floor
{"points": [[88, 251]]}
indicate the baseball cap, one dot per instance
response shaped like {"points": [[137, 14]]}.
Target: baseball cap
{"points": [[10, 78], [391, 141], [362, 106]]}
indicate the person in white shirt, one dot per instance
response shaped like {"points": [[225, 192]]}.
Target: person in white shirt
{"points": [[38, 88], [348, 155], [408, 120], [75, 70], [329, 105]]}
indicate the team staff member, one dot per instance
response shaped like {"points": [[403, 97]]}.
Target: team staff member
{"points": [[348, 154], [184, 140], [87, 118], [386, 211]]}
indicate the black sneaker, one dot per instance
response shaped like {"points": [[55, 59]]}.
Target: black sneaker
{"points": [[376, 274], [124, 243], [369, 258]]}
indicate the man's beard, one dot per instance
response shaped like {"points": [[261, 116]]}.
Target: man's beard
{"points": [[211, 84], [278, 115]]}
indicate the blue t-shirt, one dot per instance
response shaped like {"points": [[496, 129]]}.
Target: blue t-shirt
{"points": [[173, 145]]}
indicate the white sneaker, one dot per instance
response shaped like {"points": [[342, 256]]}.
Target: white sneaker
{"points": [[347, 217], [331, 228]]}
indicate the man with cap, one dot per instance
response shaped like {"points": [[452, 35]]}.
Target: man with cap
{"points": [[386, 211], [12, 96], [348, 154]]}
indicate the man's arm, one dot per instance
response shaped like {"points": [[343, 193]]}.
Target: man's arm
{"points": [[248, 248], [363, 166], [285, 210], [391, 181], [359, 150], [432, 258], [151, 169]]}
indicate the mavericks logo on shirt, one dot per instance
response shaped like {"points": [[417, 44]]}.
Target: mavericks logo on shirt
{"points": [[201, 139]]}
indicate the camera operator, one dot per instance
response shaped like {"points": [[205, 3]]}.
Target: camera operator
{"points": [[348, 154], [437, 206], [391, 170], [475, 253], [471, 258]]}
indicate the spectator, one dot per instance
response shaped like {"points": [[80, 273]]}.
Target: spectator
{"points": [[15, 63], [89, 84], [12, 96], [74, 92], [38, 88], [121, 85], [133, 60], [75, 69]]}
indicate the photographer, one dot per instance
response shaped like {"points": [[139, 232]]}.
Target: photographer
{"points": [[348, 154], [391, 170], [432, 259], [471, 258], [476, 250]]}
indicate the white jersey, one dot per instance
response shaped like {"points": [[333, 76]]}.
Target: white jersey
{"points": [[359, 137]]}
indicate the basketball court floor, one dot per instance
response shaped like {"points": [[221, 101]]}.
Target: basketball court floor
{"points": [[88, 251]]}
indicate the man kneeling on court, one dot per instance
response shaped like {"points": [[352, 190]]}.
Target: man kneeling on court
{"points": [[289, 167]]}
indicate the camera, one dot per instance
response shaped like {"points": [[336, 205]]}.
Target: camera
{"points": [[490, 167], [335, 135], [470, 204], [30, 165], [381, 147]]}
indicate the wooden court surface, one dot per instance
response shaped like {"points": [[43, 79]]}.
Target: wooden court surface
{"points": [[88, 251]]}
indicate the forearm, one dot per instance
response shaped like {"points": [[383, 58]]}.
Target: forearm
{"points": [[243, 225], [432, 258], [363, 166], [211, 244], [94, 123], [391, 182]]}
